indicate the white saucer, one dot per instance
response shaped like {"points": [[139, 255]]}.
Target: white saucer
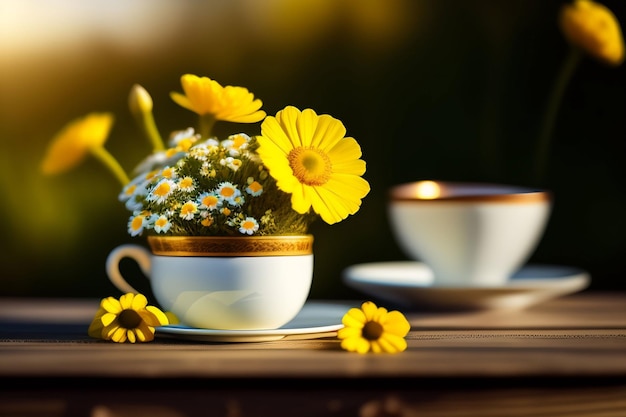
{"points": [[316, 319], [410, 284]]}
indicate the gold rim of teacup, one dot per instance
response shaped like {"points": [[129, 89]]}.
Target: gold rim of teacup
{"points": [[231, 246], [443, 191]]}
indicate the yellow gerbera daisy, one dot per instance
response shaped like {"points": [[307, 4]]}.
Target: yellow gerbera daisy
{"points": [[373, 328], [128, 319], [593, 28], [310, 158], [205, 96]]}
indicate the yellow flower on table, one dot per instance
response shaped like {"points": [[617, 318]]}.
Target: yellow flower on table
{"points": [[593, 28], [128, 319], [373, 328], [311, 159]]}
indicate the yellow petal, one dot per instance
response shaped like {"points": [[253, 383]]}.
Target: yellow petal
{"points": [[112, 305], [329, 132], [355, 344], [156, 316], [139, 302], [392, 343], [287, 119], [126, 301], [108, 318], [349, 332], [118, 335], [96, 326], [354, 318], [369, 310], [145, 333], [396, 323]]}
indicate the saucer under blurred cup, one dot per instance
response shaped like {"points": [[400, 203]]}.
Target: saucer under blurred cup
{"points": [[469, 234]]}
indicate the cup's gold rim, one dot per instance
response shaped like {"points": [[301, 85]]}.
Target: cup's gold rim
{"points": [[450, 191], [231, 246]]}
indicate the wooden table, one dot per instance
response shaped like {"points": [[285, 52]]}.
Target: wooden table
{"points": [[565, 357]]}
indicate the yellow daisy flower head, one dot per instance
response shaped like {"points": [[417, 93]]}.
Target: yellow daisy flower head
{"points": [[205, 96], [593, 28], [129, 319], [71, 145], [310, 158], [373, 328]]}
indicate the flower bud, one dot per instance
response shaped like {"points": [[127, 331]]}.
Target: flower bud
{"points": [[139, 100]]}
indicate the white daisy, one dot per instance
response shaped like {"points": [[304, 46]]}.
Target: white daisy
{"points": [[161, 191], [248, 226], [162, 224], [188, 210]]}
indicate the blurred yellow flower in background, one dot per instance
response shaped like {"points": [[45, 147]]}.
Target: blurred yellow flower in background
{"points": [[79, 138], [590, 28], [310, 158], [593, 28]]}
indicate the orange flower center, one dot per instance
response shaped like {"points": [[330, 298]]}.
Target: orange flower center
{"points": [[310, 165]]}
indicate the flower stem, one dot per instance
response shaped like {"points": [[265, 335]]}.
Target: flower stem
{"points": [[151, 131], [111, 163], [543, 143], [206, 124]]}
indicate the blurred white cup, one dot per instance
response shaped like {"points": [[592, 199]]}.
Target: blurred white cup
{"points": [[469, 234]]}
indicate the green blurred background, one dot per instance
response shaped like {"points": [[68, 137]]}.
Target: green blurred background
{"points": [[432, 89]]}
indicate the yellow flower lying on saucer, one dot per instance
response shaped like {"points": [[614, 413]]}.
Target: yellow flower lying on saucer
{"points": [[373, 328], [129, 319]]}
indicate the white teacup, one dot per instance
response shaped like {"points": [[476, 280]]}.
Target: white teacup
{"points": [[246, 285], [469, 234]]}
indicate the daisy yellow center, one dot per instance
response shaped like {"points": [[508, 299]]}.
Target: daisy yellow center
{"points": [[163, 189], [310, 165], [188, 208], [129, 319], [137, 223], [130, 190], [168, 173], [161, 222], [255, 187], [239, 141], [210, 201], [186, 182], [248, 225], [227, 192], [372, 330], [185, 144]]}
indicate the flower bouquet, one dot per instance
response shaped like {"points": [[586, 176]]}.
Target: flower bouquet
{"points": [[300, 167]]}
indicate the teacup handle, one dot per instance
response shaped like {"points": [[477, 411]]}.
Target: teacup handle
{"points": [[138, 253]]}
